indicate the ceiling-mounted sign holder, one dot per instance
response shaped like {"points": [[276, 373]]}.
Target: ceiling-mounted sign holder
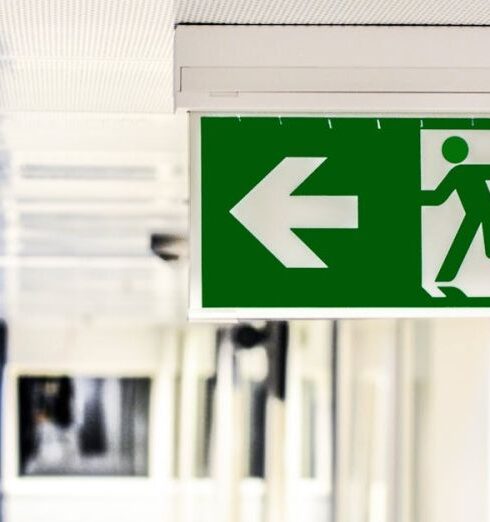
{"points": [[327, 209], [348, 69]]}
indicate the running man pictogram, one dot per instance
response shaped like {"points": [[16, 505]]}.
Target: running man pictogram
{"points": [[470, 183]]}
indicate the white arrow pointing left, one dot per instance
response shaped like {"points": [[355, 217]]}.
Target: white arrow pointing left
{"points": [[269, 212]]}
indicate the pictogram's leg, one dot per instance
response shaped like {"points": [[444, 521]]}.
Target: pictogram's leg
{"points": [[458, 250], [453, 292], [486, 236]]}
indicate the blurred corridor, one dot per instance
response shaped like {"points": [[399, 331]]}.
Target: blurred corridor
{"points": [[378, 421]]}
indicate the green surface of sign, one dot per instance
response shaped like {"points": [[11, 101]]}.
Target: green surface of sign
{"points": [[316, 212]]}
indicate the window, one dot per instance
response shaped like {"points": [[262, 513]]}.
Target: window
{"points": [[83, 425]]}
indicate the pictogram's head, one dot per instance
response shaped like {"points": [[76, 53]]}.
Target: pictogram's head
{"points": [[455, 149]]}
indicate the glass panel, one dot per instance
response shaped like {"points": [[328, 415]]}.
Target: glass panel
{"points": [[206, 387], [308, 434], [255, 448]]}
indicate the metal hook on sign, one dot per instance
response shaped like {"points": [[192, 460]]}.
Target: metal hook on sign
{"points": [[378, 124], [280, 120], [421, 124], [329, 123], [239, 118], [472, 122]]}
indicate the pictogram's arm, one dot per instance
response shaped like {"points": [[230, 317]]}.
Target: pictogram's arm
{"points": [[441, 193]]}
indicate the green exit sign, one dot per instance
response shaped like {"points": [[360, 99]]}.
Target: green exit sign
{"points": [[316, 216]]}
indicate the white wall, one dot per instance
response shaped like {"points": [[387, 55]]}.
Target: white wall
{"points": [[453, 425], [414, 421]]}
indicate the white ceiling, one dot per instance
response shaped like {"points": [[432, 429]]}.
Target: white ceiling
{"points": [[92, 160], [333, 11]]}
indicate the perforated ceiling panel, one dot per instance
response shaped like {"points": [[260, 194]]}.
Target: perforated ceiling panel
{"points": [[86, 55], [334, 11]]}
